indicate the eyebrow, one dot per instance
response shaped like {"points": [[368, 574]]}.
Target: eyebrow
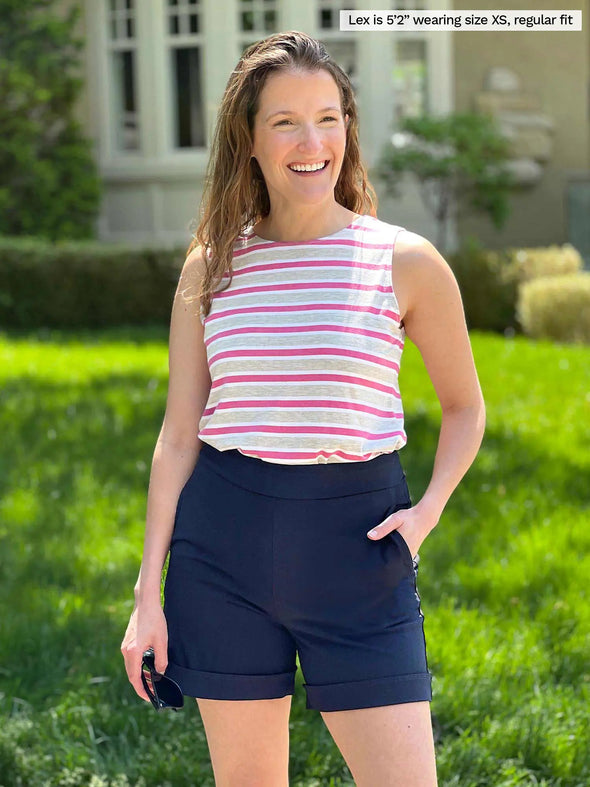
{"points": [[289, 112]]}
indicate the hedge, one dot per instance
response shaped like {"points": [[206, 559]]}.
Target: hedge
{"points": [[490, 280], [556, 307], [92, 285], [85, 284]]}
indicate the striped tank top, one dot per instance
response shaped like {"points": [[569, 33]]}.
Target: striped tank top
{"points": [[304, 349]]}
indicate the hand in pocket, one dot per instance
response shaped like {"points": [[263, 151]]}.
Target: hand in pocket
{"points": [[410, 524]]}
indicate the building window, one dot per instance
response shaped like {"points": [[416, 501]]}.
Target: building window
{"points": [[410, 72], [184, 17], [185, 44], [122, 44], [258, 17], [329, 13], [344, 53], [341, 46], [410, 79]]}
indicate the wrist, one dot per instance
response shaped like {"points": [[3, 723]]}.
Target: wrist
{"points": [[429, 512], [147, 594]]}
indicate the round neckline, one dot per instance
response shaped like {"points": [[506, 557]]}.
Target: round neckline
{"points": [[357, 218]]}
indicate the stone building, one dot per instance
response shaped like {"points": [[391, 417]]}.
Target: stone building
{"points": [[156, 69]]}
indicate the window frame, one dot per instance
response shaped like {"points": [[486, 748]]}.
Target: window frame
{"points": [[169, 43], [221, 43]]}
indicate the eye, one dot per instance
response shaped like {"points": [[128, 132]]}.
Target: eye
{"points": [[280, 123], [329, 117]]}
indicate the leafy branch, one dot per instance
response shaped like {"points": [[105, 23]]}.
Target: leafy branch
{"points": [[460, 163]]}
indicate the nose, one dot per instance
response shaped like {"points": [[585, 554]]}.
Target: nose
{"points": [[310, 140]]}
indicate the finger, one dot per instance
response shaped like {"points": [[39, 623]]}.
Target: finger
{"points": [[139, 690], [391, 523], [133, 657], [161, 657], [137, 683]]}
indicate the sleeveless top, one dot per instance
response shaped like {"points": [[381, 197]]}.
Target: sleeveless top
{"points": [[304, 349]]}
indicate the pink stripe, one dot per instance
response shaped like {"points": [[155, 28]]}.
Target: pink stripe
{"points": [[299, 378], [302, 329], [302, 352], [303, 308], [300, 404], [298, 264], [303, 287], [305, 455], [268, 244], [285, 429], [311, 455]]}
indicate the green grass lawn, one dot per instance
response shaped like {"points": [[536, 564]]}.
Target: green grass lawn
{"points": [[503, 578]]}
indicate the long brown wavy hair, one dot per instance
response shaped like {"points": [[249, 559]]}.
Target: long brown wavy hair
{"points": [[235, 194]]}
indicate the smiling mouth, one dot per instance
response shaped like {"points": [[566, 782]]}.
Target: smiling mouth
{"points": [[302, 169]]}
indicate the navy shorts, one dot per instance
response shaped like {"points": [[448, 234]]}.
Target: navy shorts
{"points": [[271, 561]]}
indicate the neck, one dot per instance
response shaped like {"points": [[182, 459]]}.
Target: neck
{"points": [[298, 227]]}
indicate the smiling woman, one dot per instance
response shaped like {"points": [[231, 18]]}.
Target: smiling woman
{"points": [[276, 483], [299, 145]]}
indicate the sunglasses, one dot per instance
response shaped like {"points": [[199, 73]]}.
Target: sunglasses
{"points": [[162, 690]]}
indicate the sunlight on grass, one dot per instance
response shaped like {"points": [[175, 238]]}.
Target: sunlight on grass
{"points": [[502, 579]]}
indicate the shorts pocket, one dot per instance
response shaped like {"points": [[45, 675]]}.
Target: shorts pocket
{"points": [[399, 498], [403, 544]]}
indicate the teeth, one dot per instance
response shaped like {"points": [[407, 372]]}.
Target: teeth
{"points": [[307, 167]]}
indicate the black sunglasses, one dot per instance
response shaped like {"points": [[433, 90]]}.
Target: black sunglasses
{"points": [[162, 690]]}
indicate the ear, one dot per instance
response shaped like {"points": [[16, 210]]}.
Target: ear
{"points": [[346, 120]]}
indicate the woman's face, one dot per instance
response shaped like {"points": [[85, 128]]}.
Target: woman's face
{"points": [[299, 123]]}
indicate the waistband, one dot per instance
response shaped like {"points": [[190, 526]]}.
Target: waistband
{"points": [[304, 482]]}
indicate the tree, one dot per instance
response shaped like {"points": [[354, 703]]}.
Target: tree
{"points": [[49, 185], [460, 163]]}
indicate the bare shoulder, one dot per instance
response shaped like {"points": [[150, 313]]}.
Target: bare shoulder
{"points": [[434, 320], [195, 260], [417, 253], [420, 273], [189, 282], [193, 268]]}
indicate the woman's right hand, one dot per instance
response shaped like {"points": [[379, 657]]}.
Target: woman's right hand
{"points": [[146, 628]]}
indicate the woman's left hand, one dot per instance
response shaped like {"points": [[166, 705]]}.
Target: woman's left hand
{"points": [[414, 524]]}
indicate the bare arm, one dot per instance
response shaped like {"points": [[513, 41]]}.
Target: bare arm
{"points": [[177, 446], [176, 452], [430, 304]]}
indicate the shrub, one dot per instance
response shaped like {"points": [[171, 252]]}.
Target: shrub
{"points": [[460, 161], [88, 284], [551, 261], [488, 286], [49, 184], [85, 284], [490, 280], [556, 307]]}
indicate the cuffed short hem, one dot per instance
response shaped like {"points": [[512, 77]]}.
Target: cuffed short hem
{"points": [[389, 690], [225, 686]]}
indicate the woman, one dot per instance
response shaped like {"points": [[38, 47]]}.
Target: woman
{"points": [[279, 446]]}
